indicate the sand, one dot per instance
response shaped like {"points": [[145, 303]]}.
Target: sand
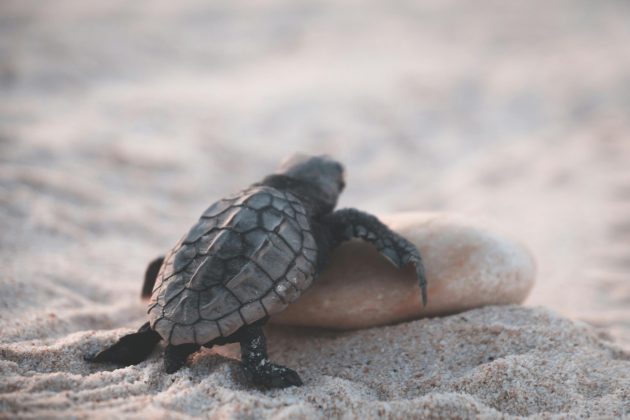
{"points": [[121, 121], [490, 361]]}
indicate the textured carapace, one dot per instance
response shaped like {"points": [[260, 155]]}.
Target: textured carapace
{"points": [[247, 257]]}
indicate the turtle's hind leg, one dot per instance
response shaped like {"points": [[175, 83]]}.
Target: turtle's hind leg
{"points": [[130, 349], [175, 356], [255, 360]]}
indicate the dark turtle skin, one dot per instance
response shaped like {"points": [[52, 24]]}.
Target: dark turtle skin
{"points": [[247, 258]]}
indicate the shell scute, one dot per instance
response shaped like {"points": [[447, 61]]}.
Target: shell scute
{"points": [[273, 303], [298, 278], [246, 258], [200, 229], [182, 334], [253, 311], [209, 273], [206, 329], [251, 283], [244, 220], [183, 258], [216, 302], [218, 208], [292, 234], [271, 219], [259, 201], [287, 291], [274, 257], [230, 323], [183, 308]]}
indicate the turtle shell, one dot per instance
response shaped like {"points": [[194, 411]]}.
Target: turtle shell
{"points": [[247, 257]]}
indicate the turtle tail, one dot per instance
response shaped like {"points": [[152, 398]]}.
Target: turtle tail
{"points": [[130, 349], [150, 276]]}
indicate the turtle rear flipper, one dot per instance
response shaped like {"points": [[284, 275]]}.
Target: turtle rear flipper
{"points": [[175, 356], [130, 349], [255, 360], [150, 276]]}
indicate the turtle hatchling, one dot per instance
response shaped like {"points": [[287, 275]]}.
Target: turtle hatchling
{"points": [[247, 258]]}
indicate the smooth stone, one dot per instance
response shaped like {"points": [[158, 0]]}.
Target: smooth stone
{"points": [[467, 266]]}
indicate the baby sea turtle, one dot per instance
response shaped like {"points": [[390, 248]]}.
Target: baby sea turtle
{"points": [[247, 258]]}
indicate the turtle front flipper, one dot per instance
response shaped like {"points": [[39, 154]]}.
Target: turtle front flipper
{"points": [[150, 275], [256, 363], [346, 224], [130, 349]]}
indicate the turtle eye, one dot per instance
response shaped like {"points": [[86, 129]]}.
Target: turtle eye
{"points": [[341, 184]]}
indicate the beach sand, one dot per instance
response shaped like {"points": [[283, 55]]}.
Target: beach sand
{"points": [[120, 122]]}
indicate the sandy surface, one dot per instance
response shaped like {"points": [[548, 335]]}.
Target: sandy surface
{"points": [[121, 121], [488, 362]]}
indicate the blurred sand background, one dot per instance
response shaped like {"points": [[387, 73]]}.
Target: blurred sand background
{"points": [[121, 121]]}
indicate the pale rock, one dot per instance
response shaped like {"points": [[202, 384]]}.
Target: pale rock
{"points": [[467, 266]]}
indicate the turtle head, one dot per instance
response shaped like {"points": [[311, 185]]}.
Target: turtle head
{"points": [[324, 174]]}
